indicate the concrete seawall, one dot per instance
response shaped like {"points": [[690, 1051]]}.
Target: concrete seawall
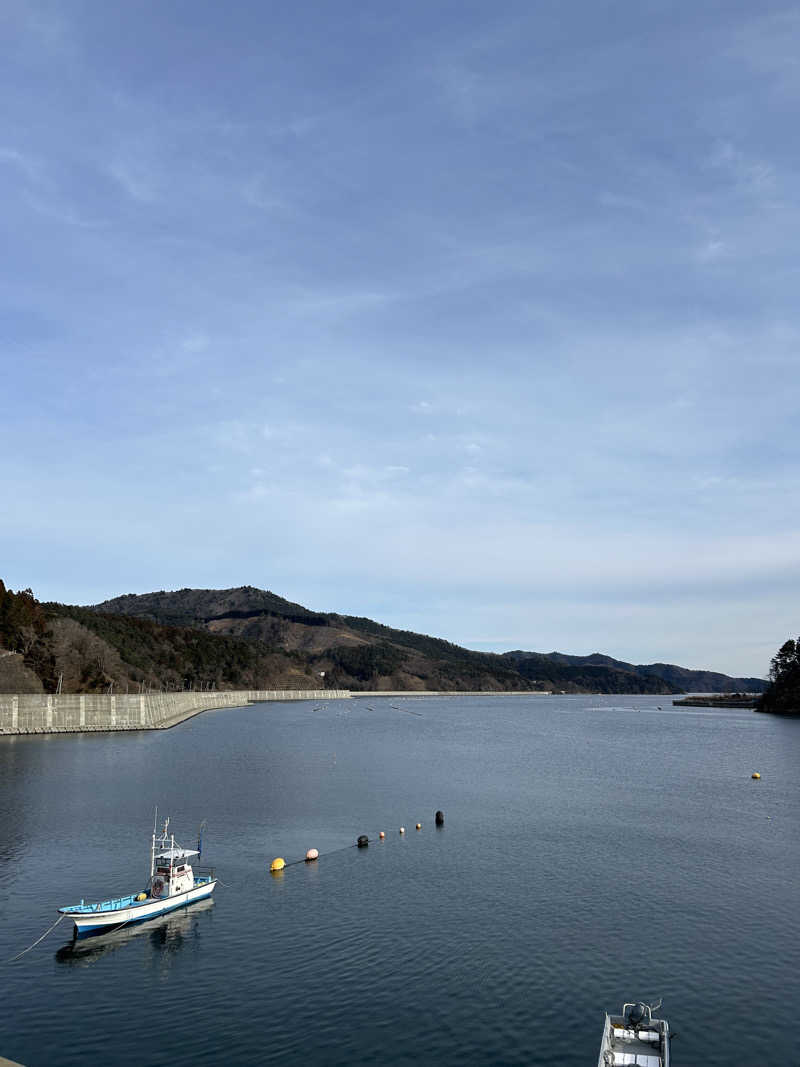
{"points": [[43, 713]]}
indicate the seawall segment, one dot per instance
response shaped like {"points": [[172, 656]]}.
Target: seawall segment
{"points": [[48, 713]]}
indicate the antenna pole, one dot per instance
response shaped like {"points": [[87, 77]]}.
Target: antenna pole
{"points": [[153, 845]]}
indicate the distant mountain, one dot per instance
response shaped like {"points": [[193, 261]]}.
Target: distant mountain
{"points": [[345, 651], [248, 638], [338, 645], [682, 679]]}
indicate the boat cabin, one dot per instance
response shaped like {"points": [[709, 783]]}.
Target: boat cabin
{"points": [[171, 871]]}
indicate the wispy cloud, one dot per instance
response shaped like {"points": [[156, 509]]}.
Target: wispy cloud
{"points": [[753, 176], [19, 161]]}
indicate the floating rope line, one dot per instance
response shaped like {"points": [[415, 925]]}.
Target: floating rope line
{"points": [[333, 851], [35, 943]]}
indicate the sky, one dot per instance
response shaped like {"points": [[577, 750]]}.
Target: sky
{"points": [[480, 320]]}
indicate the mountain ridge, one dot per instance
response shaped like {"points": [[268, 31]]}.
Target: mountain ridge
{"points": [[249, 638], [261, 614], [685, 678]]}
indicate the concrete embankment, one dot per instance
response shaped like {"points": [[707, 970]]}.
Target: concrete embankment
{"points": [[43, 713]]}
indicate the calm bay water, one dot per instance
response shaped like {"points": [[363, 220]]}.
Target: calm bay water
{"points": [[596, 850]]}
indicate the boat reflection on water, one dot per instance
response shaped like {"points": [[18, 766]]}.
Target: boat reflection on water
{"points": [[166, 934]]}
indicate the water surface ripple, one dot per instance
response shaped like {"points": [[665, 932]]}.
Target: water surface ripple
{"points": [[595, 850]]}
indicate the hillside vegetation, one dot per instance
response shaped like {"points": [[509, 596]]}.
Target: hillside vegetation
{"points": [[630, 677], [248, 638], [783, 695]]}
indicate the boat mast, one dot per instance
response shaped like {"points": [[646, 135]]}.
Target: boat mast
{"points": [[153, 845]]}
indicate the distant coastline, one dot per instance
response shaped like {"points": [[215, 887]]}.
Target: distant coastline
{"points": [[719, 700]]}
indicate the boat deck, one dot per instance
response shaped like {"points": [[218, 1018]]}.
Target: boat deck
{"points": [[117, 904]]}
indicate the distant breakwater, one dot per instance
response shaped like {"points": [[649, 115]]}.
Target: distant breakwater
{"points": [[45, 713], [719, 700]]}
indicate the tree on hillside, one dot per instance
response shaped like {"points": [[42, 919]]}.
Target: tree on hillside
{"points": [[22, 621], [783, 695]]}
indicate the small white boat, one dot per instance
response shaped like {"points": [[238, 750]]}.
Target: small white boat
{"points": [[173, 884], [635, 1038]]}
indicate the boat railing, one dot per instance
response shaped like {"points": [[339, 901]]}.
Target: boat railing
{"points": [[114, 904], [205, 874], [638, 1004]]}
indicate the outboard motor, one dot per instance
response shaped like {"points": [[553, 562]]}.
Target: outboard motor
{"points": [[635, 1015]]}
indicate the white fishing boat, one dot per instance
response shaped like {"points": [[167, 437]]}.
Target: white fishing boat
{"points": [[635, 1038], [173, 883]]}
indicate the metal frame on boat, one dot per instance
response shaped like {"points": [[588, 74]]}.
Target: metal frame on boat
{"points": [[173, 883]]}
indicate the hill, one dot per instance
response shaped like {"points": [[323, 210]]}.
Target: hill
{"points": [[250, 638], [343, 651], [414, 661], [682, 679]]}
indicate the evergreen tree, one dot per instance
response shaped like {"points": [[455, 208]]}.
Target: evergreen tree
{"points": [[783, 695]]}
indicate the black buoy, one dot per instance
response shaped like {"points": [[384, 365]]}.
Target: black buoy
{"points": [[363, 841], [439, 818]]}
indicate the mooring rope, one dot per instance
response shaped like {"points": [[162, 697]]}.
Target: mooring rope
{"points": [[35, 943], [332, 852]]}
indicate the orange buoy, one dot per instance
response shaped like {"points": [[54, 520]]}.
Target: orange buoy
{"points": [[312, 854], [402, 829], [381, 835], [419, 825]]}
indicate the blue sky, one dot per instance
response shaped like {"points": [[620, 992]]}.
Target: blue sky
{"points": [[480, 320]]}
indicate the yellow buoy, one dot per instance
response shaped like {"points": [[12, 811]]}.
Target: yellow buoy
{"points": [[419, 825], [277, 864], [755, 774], [381, 835], [142, 896]]}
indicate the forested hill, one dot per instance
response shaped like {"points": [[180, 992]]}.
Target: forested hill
{"points": [[248, 638], [598, 665], [414, 659]]}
